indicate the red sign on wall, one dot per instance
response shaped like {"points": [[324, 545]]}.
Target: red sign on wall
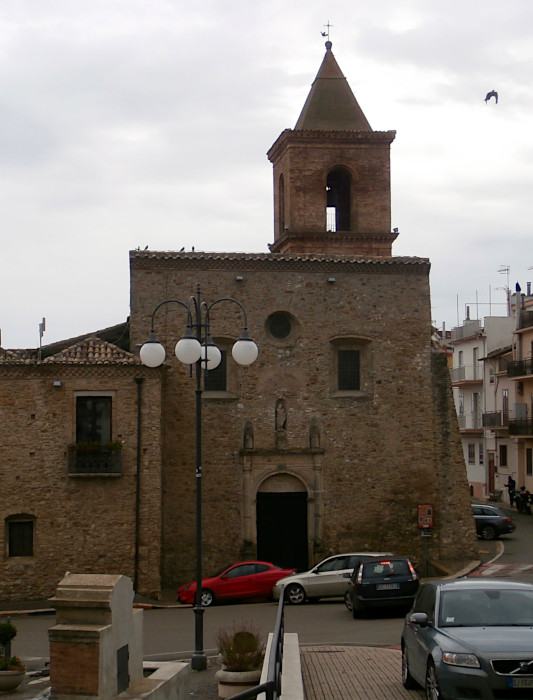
{"points": [[425, 515]]}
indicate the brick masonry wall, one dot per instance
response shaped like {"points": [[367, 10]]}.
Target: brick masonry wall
{"points": [[82, 524], [74, 668], [305, 160], [381, 451]]}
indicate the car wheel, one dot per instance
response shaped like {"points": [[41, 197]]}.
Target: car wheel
{"points": [[348, 600], [206, 598], [294, 594], [407, 679], [432, 683], [488, 532]]}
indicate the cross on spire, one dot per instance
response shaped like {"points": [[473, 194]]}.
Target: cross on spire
{"points": [[328, 27]]}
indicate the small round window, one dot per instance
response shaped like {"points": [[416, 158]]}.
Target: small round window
{"points": [[279, 325]]}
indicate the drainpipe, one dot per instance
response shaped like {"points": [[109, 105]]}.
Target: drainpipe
{"points": [[139, 381]]}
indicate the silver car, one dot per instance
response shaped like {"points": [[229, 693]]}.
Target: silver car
{"points": [[325, 580], [470, 638]]}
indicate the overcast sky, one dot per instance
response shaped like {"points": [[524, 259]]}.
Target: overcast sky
{"points": [[133, 123]]}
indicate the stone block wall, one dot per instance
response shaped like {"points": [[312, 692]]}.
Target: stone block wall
{"points": [[380, 452], [83, 523]]}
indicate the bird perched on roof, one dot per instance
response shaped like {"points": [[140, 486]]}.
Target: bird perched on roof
{"points": [[490, 94]]}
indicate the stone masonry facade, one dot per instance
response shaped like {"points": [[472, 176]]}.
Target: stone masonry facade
{"points": [[84, 523], [381, 451]]}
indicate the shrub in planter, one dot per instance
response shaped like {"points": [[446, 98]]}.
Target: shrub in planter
{"points": [[241, 649], [241, 652], [11, 667], [11, 663], [7, 633]]}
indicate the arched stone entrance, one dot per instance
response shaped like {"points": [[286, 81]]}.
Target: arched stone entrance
{"points": [[282, 521]]}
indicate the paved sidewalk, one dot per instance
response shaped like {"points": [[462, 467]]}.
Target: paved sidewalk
{"points": [[358, 673]]}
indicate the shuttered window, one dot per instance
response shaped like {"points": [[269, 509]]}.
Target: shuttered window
{"points": [[20, 538], [349, 370]]}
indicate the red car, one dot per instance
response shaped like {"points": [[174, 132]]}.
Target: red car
{"points": [[245, 579]]}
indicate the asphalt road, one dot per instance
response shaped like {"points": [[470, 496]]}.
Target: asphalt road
{"points": [[171, 631]]}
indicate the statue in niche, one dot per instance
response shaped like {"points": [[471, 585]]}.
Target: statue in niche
{"points": [[314, 436], [248, 439], [281, 424]]}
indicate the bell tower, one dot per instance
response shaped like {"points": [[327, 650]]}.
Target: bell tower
{"points": [[332, 175]]}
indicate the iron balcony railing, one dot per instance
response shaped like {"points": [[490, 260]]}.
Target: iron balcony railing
{"points": [[496, 419], [520, 368], [272, 686], [522, 426], [94, 461]]}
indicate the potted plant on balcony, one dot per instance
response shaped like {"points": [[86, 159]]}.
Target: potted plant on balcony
{"points": [[241, 654], [12, 670]]}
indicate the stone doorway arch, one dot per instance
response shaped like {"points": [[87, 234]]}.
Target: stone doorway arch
{"points": [[282, 521]]}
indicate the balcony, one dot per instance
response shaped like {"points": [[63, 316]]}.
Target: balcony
{"points": [[526, 319], [520, 368], [466, 373], [470, 421], [496, 419], [523, 426], [94, 460]]}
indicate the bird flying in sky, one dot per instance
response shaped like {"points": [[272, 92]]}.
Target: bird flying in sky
{"points": [[490, 94]]}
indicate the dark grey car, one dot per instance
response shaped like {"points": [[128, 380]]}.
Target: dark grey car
{"points": [[470, 638], [382, 582], [491, 522]]}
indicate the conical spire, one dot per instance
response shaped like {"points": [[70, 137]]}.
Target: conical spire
{"points": [[331, 104]]}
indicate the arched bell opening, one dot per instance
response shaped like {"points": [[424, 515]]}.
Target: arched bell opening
{"points": [[338, 200]]}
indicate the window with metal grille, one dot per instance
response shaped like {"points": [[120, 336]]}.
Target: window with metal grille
{"points": [[20, 538], [93, 419], [216, 379], [348, 367], [529, 461], [471, 453]]}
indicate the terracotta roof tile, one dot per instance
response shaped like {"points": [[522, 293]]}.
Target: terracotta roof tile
{"points": [[89, 351], [273, 258], [19, 357], [93, 351]]}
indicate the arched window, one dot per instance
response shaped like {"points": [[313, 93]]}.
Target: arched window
{"points": [[338, 199]]}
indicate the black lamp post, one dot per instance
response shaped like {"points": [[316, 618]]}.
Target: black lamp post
{"points": [[196, 347]]}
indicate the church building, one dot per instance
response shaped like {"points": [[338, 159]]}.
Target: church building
{"points": [[337, 438], [344, 424]]}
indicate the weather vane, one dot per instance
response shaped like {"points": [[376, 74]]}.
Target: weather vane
{"points": [[328, 27]]}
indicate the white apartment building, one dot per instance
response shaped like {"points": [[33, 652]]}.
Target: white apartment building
{"points": [[483, 395]]}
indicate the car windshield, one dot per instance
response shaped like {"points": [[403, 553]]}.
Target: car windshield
{"points": [[481, 608]]}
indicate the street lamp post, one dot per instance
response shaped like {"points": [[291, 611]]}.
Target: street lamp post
{"points": [[196, 347]]}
